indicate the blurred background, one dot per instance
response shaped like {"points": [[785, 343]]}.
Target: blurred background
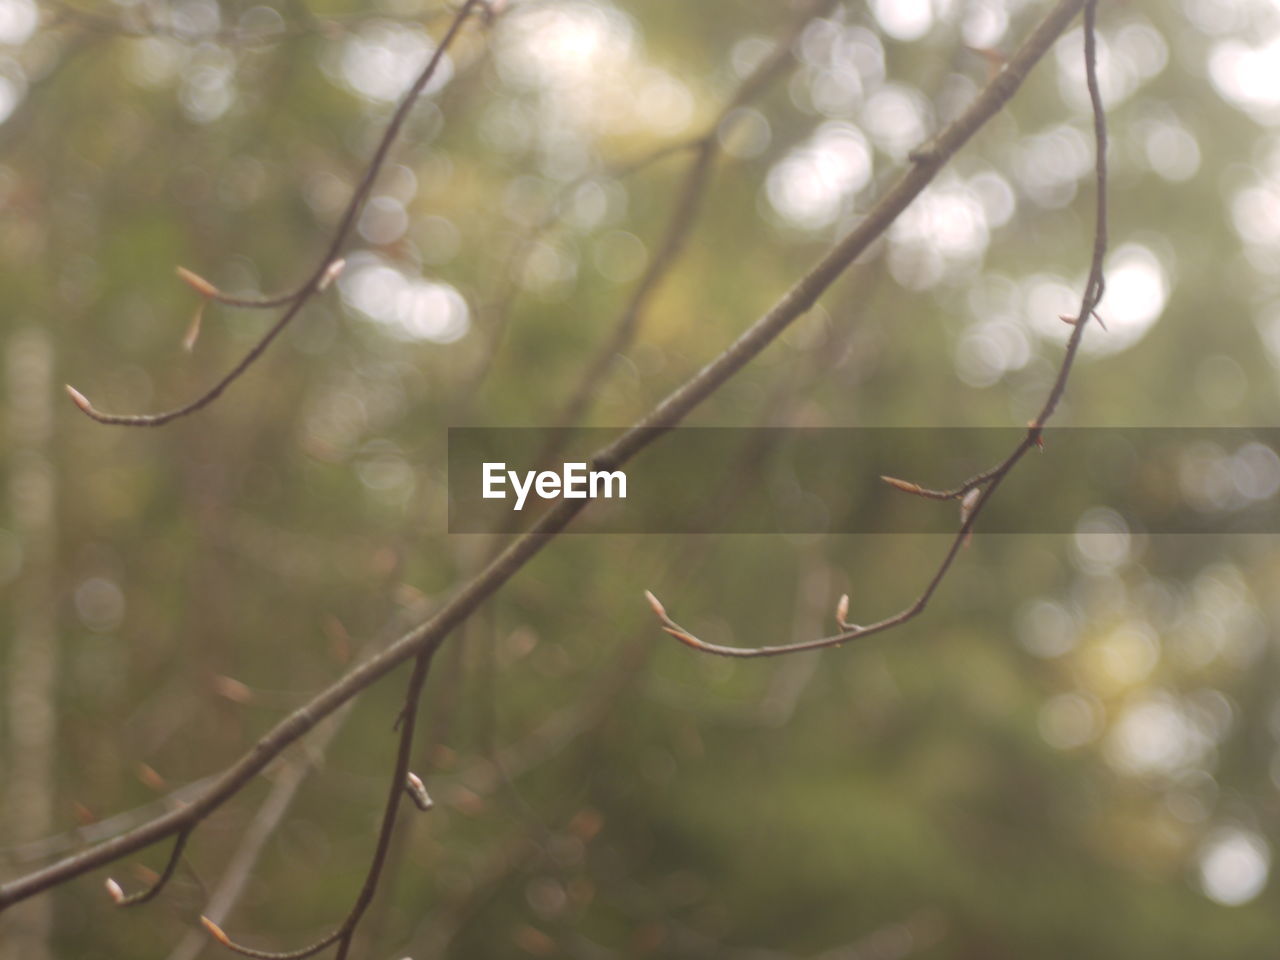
{"points": [[1074, 752]]}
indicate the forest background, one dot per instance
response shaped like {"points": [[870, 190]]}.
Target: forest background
{"points": [[1072, 752]]}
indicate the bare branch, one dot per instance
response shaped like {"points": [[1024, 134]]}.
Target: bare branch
{"points": [[977, 491], [311, 950], [685, 210], [320, 275], [255, 836], [428, 636], [345, 932], [142, 896], [395, 792]]}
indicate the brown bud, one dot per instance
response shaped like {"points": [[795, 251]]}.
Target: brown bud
{"points": [[232, 689], [197, 283], [904, 485], [149, 777], [193, 328], [78, 398], [215, 931]]}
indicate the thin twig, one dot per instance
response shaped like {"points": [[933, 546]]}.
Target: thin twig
{"points": [[684, 215], [429, 635], [254, 839], [142, 896], [977, 491], [395, 794], [494, 315], [345, 932], [316, 282]]}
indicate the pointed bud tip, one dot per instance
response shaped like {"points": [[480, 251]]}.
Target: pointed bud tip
{"points": [[215, 931], [842, 608], [904, 485], [114, 890], [656, 605], [78, 398], [193, 328], [196, 282]]}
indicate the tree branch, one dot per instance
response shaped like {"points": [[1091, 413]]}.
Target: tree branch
{"points": [[705, 147], [684, 214], [320, 275], [428, 636], [974, 493], [346, 930], [142, 896]]}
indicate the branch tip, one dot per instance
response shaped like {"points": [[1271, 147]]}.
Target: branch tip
{"points": [[216, 932], [904, 485], [197, 283], [79, 399], [115, 891], [655, 605], [193, 329], [417, 791]]}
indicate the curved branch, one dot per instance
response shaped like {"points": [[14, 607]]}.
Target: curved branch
{"points": [[974, 493], [322, 272], [428, 636], [142, 896], [310, 950], [345, 931]]}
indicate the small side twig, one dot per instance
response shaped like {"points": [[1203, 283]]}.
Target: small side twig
{"points": [[320, 275], [684, 215], [705, 147], [343, 935], [142, 896]]}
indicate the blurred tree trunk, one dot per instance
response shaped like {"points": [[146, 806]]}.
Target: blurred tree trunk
{"points": [[33, 648]]}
